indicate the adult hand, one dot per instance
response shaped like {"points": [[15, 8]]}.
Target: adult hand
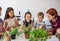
{"points": [[50, 33]]}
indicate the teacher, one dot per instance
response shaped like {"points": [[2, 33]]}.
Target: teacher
{"points": [[54, 19]]}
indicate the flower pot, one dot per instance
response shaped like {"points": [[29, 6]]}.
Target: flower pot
{"points": [[13, 36], [26, 36], [7, 38]]}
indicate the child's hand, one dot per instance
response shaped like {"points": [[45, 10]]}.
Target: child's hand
{"points": [[12, 26], [41, 27], [7, 28], [32, 24], [1, 33]]}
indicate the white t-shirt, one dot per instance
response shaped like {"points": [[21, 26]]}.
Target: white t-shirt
{"points": [[38, 24]]}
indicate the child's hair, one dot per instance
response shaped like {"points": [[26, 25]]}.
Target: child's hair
{"points": [[1, 21], [41, 14], [7, 11], [0, 8], [27, 13]]}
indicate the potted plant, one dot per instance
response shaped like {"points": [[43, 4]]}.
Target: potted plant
{"points": [[14, 32], [7, 36], [27, 31], [38, 35]]}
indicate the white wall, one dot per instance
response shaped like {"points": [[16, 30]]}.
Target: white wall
{"points": [[34, 6]]}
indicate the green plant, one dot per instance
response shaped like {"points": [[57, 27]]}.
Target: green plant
{"points": [[7, 36], [27, 29], [7, 33], [14, 31], [38, 34]]}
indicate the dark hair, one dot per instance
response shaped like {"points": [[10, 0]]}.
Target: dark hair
{"points": [[41, 14], [52, 12], [28, 13], [7, 11], [0, 8], [1, 21]]}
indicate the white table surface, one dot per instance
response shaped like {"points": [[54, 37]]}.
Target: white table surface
{"points": [[21, 38]]}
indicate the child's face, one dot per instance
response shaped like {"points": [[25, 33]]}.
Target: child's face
{"points": [[11, 13], [28, 17], [40, 18]]}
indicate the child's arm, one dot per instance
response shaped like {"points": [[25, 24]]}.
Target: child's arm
{"points": [[6, 27], [5, 24], [16, 22], [22, 27], [32, 23], [1, 33]]}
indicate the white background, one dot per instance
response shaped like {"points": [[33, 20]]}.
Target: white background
{"points": [[34, 6]]}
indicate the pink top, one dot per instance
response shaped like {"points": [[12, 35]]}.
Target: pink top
{"points": [[11, 22]]}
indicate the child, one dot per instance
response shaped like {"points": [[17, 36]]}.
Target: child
{"points": [[40, 23], [10, 19], [27, 20], [1, 29]]}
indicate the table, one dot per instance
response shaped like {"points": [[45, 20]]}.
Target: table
{"points": [[21, 38]]}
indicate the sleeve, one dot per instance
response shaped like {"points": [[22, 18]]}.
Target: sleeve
{"points": [[22, 26], [55, 27], [16, 18]]}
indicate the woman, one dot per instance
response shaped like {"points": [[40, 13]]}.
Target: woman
{"points": [[54, 19]]}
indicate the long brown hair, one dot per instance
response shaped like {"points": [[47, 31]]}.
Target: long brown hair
{"points": [[52, 12], [7, 11]]}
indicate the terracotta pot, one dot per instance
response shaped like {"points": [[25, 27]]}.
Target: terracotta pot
{"points": [[26, 36], [7, 38]]}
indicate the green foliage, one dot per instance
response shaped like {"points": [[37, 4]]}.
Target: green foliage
{"points": [[14, 31], [37, 34], [27, 29]]}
